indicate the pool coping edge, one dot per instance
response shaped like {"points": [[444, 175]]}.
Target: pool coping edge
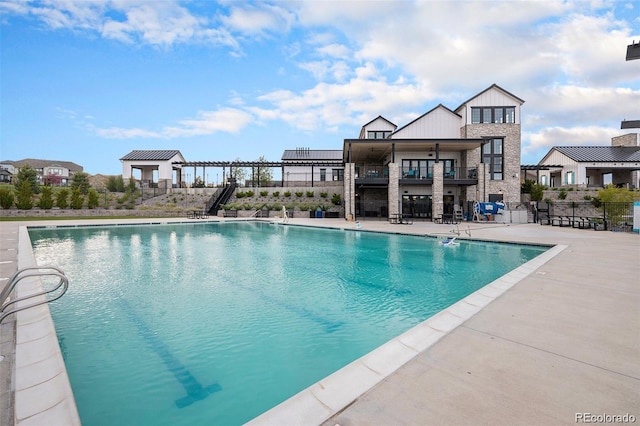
{"points": [[324, 399]]}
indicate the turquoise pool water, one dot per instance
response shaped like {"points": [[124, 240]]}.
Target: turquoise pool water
{"points": [[214, 324]]}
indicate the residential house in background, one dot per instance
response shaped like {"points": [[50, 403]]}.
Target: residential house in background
{"points": [[50, 172], [592, 166], [441, 162]]}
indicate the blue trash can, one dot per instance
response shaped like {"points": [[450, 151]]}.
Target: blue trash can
{"points": [[319, 214]]}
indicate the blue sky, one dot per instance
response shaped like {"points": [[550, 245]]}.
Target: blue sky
{"points": [[89, 81]]}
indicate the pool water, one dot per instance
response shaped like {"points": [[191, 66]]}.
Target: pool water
{"points": [[215, 323]]}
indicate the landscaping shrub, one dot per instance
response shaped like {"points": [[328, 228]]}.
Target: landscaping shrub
{"points": [[46, 198], [6, 198]]}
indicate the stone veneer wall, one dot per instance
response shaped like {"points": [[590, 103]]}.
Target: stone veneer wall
{"points": [[349, 191], [394, 188], [510, 184], [437, 208], [630, 139]]}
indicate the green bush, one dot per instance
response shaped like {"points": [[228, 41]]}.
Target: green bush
{"points": [[249, 193], [61, 198], [77, 200], [562, 194], [586, 197], [25, 196], [240, 194], [93, 199], [276, 193], [46, 198], [324, 194], [287, 193], [536, 191], [336, 199], [264, 193], [310, 194], [299, 194], [6, 198]]}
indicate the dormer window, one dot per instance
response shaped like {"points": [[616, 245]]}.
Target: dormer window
{"points": [[497, 115], [378, 134]]}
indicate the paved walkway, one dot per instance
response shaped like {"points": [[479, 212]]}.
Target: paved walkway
{"points": [[562, 343]]}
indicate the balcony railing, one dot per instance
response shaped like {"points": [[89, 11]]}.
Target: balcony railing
{"points": [[369, 171], [458, 173]]}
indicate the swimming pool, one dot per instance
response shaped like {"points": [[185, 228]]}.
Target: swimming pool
{"points": [[216, 323]]}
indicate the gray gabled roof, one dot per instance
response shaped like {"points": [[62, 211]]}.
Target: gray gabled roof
{"points": [[493, 86], [306, 154], [151, 155], [601, 153], [41, 164]]}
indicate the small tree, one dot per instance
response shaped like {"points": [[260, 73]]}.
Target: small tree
{"points": [[131, 187], [77, 200], [115, 184], [62, 199], [30, 175], [265, 174], [6, 198], [25, 196], [93, 199], [613, 194], [537, 192], [80, 182], [237, 172], [46, 198]]}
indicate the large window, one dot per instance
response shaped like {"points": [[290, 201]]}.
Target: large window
{"points": [[338, 174], [492, 155], [493, 115], [323, 175], [378, 134]]}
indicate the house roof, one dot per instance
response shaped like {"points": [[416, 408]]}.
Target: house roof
{"points": [[151, 155], [306, 154], [425, 114], [493, 86], [601, 154], [41, 164], [378, 118]]}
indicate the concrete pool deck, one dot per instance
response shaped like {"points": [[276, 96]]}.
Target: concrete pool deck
{"points": [[562, 342]]}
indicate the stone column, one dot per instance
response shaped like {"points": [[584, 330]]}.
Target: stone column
{"points": [[349, 191], [437, 190], [393, 196]]}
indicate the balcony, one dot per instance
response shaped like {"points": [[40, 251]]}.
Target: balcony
{"points": [[451, 175], [372, 174]]}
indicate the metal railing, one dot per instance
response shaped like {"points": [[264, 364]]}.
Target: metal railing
{"points": [[56, 292], [449, 173]]}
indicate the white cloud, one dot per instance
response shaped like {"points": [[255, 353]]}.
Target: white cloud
{"points": [[258, 19], [122, 133], [229, 120], [548, 137]]}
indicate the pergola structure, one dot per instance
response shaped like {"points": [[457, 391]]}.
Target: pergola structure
{"points": [[254, 165]]}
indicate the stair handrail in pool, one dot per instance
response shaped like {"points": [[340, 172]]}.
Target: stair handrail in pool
{"points": [[37, 271]]}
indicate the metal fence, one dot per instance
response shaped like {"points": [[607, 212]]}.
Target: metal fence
{"points": [[612, 216]]}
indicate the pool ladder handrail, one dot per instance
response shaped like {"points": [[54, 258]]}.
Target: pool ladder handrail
{"points": [[42, 271]]}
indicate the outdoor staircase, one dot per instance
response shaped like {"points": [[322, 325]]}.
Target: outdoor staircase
{"points": [[220, 197]]}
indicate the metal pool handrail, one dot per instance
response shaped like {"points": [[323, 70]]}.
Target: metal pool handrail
{"points": [[42, 271]]}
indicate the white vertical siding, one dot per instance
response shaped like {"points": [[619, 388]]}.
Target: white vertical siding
{"points": [[492, 98], [439, 123], [380, 125]]}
